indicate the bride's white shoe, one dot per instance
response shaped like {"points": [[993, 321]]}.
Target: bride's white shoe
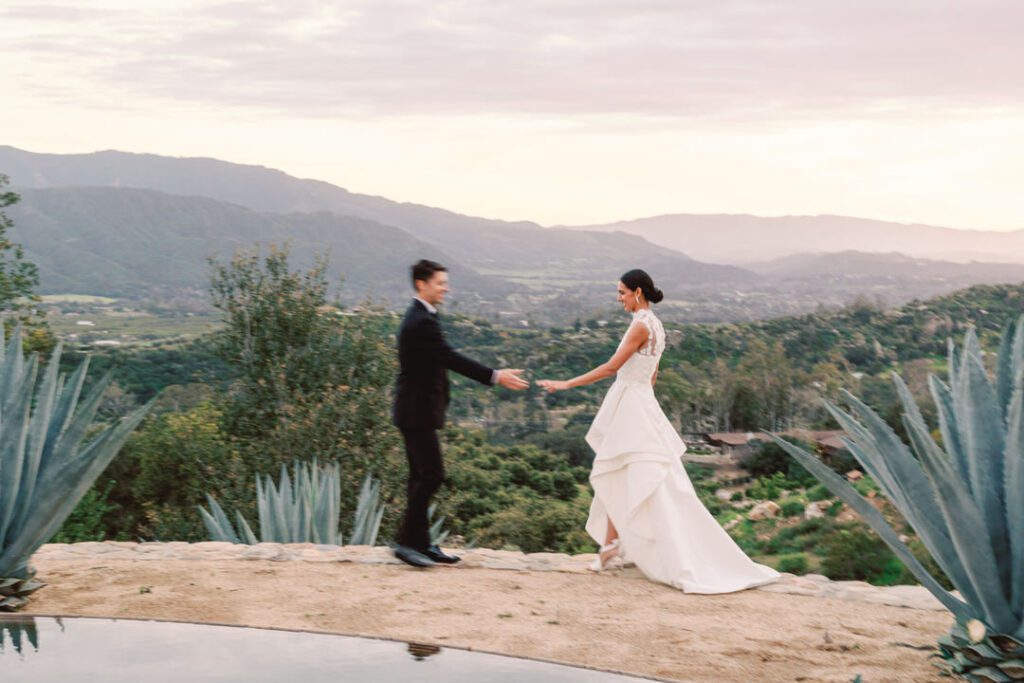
{"points": [[613, 550]]}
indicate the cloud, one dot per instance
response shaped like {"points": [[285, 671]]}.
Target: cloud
{"points": [[700, 60]]}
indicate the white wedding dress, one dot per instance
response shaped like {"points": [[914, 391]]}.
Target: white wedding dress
{"points": [[639, 482]]}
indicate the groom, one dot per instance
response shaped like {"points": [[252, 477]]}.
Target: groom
{"points": [[421, 398]]}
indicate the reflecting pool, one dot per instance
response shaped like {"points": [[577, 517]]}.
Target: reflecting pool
{"points": [[51, 650]]}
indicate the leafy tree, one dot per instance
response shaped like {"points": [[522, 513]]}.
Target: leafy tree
{"points": [[18, 280], [18, 277], [310, 380]]}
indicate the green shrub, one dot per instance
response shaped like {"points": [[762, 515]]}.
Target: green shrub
{"points": [[768, 488], [770, 459], [792, 507], [818, 492], [86, 521], [808, 535], [795, 563], [736, 496], [855, 554], [165, 471], [866, 486], [834, 509]]}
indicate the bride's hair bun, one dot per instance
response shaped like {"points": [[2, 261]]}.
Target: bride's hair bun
{"points": [[639, 278]]}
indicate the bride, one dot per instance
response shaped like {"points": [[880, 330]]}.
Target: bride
{"points": [[644, 503]]}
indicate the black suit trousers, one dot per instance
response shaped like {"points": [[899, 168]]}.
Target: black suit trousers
{"points": [[426, 473]]}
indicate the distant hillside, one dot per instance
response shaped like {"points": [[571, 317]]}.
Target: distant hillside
{"points": [[138, 224], [130, 242], [880, 268], [522, 251], [869, 338], [741, 239]]}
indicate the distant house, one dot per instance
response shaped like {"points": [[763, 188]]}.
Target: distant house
{"points": [[738, 445], [741, 445], [85, 323]]}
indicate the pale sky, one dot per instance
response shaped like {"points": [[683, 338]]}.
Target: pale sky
{"points": [[557, 111]]}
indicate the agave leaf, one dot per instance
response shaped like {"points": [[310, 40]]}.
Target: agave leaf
{"points": [[369, 512], [217, 522], [841, 489], [66, 446], [979, 586], [69, 395], [32, 633], [969, 535], [217, 531], [972, 347], [375, 527], [40, 421], [1004, 367], [1018, 351], [987, 674], [61, 488], [325, 514], [1007, 645], [12, 448], [302, 510], [286, 507], [245, 530], [942, 394], [16, 638], [12, 603], [902, 479], [953, 361], [979, 417], [1015, 495], [263, 511], [437, 536], [1013, 668]]}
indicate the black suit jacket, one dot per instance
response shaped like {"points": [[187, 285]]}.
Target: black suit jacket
{"points": [[424, 357]]}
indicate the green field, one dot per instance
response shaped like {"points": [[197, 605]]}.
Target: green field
{"points": [[136, 328], [76, 299]]}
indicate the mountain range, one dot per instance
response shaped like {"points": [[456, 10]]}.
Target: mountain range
{"points": [[130, 225], [744, 239]]}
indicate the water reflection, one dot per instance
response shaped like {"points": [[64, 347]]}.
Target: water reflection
{"points": [[49, 650], [17, 629], [421, 651]]}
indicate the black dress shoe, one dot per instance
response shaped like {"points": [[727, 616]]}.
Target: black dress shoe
{"points": [[439, 556], [412, 556]]}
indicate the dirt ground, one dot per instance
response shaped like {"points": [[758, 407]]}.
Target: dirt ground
{"points": [[609, 621]]}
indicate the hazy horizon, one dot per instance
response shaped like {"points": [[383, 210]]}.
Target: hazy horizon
{"points": [[563, 113]]}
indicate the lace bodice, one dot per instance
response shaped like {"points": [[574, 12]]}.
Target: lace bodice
{"points": [[641, 365]]}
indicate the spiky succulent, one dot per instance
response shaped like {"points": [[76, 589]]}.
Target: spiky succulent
{"points": [[44, 467], [964, 498], [304, 513]]}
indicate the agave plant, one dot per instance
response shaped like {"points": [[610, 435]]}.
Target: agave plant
{"points": [[369, 513], [304, 513], [44, 467], [964, 498], [438, 533]]}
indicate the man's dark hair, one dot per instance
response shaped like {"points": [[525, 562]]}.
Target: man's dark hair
{"points": [[425, 269]]}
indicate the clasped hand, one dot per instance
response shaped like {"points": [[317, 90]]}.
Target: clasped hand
{"points": [[512, 379], [553, 385]]}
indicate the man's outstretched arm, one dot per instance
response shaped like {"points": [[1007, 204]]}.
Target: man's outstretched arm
{"points": [[434, 345]]}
